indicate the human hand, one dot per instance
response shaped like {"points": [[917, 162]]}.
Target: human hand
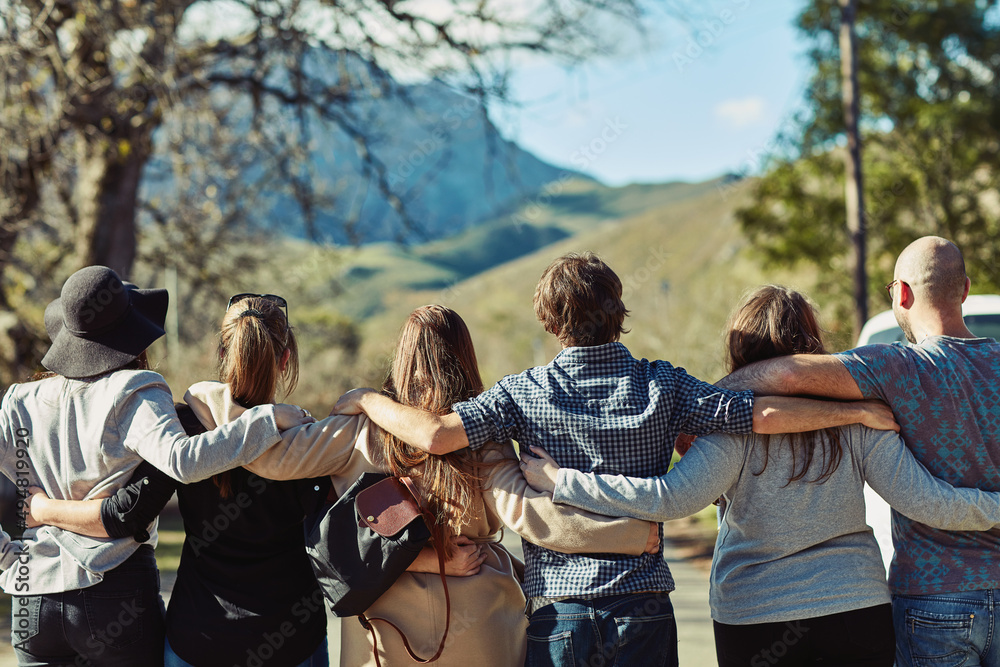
{"points": [[34, 507], [653, 541], [350, 403], [540, 472], [878, 415], [466, 557], [289, 416], [683, 443]]}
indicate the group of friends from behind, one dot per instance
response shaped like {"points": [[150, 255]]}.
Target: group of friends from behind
{"points": [[786, 442]]}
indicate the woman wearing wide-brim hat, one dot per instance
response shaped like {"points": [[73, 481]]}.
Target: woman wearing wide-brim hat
{"points": [[78, 432]]}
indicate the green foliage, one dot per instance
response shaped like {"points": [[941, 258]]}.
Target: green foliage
{"points": [[930, 101]]}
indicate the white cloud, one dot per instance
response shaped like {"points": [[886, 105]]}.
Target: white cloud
{"points": [[740, 112]]}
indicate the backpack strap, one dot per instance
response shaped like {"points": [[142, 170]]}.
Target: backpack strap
{"points": [[366, 622]]}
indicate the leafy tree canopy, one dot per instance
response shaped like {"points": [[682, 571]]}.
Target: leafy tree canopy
{"points": [[930, 107]]}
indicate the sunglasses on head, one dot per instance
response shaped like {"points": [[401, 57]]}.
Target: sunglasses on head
{"points": [[278, 300]]}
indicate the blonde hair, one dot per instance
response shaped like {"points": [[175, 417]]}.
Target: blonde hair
{"points": [[255, 334]]}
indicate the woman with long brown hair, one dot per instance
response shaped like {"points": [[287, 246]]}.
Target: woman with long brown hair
{"points": [[472, 495], [797, 575]]}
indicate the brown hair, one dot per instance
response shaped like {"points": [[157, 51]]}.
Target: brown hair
{"points": [[775, 321], [579, 300], [434, 367], [255, 334]]}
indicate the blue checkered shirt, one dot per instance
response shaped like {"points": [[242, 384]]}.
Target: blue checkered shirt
{"points": [[598, 409]]}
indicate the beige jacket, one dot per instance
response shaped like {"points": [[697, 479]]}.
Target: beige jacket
{"points": [[488, 624]]}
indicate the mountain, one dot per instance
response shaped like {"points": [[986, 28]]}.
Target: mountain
{"points": [[450, 167], [403, 162]]}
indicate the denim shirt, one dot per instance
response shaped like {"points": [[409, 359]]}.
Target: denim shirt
{"points": [[598, 409], [82, 439]]}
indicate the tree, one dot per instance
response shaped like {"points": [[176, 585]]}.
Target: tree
{"points": [[854, 194], [86, 85], [175, 122], [930, 110]]}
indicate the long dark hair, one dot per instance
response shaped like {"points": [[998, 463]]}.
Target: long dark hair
{"points": [[775, 321], [434, 367]]}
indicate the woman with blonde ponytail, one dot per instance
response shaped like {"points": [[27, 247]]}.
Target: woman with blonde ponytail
{"points": [[245, 593]]}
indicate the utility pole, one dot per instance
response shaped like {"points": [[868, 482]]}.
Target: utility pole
{"points": [[854, 184]]}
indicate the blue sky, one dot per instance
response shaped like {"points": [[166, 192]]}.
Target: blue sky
{"points": [[665, 111]]}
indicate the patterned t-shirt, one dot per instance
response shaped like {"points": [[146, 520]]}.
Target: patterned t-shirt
{"points": [[598, 409], [945, 393]]}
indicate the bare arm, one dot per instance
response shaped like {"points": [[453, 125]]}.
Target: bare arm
{"points": [[82, 517], [807, 374], [435, 434], [785, 414]]}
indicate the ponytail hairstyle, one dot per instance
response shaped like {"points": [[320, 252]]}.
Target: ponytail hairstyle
{"points": [[434, 367], [254, 337], [775, 321]]}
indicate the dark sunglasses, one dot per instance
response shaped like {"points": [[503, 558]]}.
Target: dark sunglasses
{"points": [[279, 300]]}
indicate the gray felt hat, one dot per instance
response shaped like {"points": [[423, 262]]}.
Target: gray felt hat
{"points": [[100, 323]]}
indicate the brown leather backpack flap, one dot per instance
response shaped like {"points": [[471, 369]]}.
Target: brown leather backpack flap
{"points": [[386, 507]]}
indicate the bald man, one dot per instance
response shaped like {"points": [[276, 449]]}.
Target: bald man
{"points": [[944, 389]]}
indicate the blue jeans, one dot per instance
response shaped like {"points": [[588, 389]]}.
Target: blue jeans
{"points": [[319, 658], [117, 622], [612, 631], [947, 629]]}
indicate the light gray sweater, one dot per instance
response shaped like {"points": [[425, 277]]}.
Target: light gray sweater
{"points": [[81, 439], [795, 550]]}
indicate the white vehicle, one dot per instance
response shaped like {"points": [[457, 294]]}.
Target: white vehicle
{"points": [[982, 316]]}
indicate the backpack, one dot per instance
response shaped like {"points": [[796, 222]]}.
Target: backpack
{"points": [[360, 543]]}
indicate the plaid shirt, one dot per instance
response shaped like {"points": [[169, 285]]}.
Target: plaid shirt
{"points": [[598, 409]]}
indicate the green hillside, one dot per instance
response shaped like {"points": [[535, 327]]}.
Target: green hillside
{"points": [[682, 259], [683, 264]]}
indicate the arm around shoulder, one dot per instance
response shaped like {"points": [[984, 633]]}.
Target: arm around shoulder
{"points": [[148, 425], [896, 475], [312, 450], [709, 468], [797, 374], [434, 434]]}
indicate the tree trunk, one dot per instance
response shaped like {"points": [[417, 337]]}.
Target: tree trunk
{"points": [[21, 190], [106, 194], [854, 192]]}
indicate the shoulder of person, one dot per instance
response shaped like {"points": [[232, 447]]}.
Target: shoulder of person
{"points": [[130, 381], [878, 351], [207, 387]]}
